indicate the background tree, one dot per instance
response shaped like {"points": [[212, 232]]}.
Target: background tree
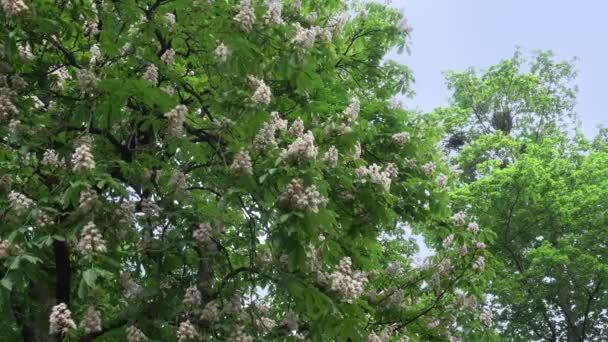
{"points": [[542, 191], [519, 98], [189, 170]]}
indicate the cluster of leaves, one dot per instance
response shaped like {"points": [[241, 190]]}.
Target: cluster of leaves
{"points": [[542, 191], [194, 245]]}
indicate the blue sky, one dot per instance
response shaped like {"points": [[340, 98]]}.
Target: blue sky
{"points": [[455, 34]]}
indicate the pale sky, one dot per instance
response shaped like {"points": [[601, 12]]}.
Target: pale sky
{"points": [[451, 35]]}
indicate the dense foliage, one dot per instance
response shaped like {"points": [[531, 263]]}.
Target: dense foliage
{"points": [[186, 170], [542, 189]]}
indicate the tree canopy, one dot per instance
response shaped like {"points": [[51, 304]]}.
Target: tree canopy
{"points": [[180, 170]]}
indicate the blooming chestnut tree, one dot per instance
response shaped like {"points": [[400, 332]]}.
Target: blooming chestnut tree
{"points": [[178, 170]]}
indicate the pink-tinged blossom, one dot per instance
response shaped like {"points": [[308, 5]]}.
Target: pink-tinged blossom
{"points": [[60, 76], [262, 93], [331, 157], [19, 202], [186, 331], [479, 264], [168, 57], [246, 15], [135, 335], [273, 15], [151, 74], [176, 117], [192, 297], [353, 109], [458, 218], [302, 148], [442, 181], [170, 21], [401, 138], [429, 169], [60, 320], [242, 163], [14, 7], [91, 241], [375, 174], [86, 80], [278, 122], [265, 138], [305, 37], [82, 158], [297, 128], [299, 197], [222, 52], [473, 228], [91, 321], [347, 283]]}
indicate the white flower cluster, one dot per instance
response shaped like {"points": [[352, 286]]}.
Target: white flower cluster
{"points": [[462, 301], [25, 51], [91, 241], [91, 322], [347, 283], [177, 117], [296, 5], [239, 335], [82, 158], [178, 182], [404, 26], [222, 52], [447, 242], [87, 80], [14, 7], [60, 75], [376, 175], [352, 111], [265, 139], [131, 288], [186, 331], [61, 320], [43, 219], [301, 198], [210, 312], [429, 169], [486, 316], [170, 20], [278, 122], [151, 74], [273, 15], [265, 324], [297, 128], [305, 37], [479, 245], [192, 296], [401, 138], [7, 108], [291, 321], [51, 158], [395, 298], [458, 218], [7, 249], [135, 335], [12, 126], [473, 228], [331, 156], [95, 54], [463, 251], [302, 148], [125, 212], [262, 93], [479, 264], [385, 334], [242, 163], [168, 57], [87, 198], [150, 208], [442, 181], [19, 202], [246, 15], [358, 151]]}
